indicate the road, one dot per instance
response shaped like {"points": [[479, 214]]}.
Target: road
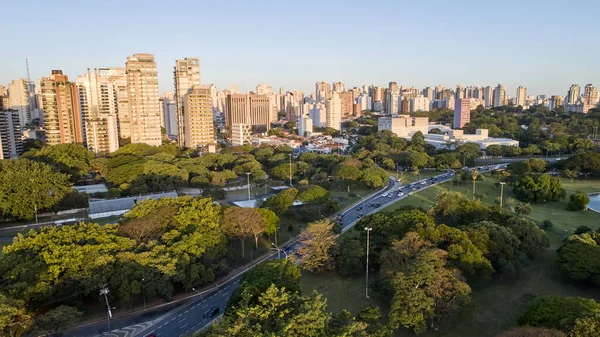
{"points": [[190, 317]]}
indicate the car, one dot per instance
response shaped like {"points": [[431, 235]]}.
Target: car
{"points": [[377, 205], [400, 194], [390, 195], [424, 183], [371, 204], [385, 194], [360, 215], [212, 312], [359, 208]]}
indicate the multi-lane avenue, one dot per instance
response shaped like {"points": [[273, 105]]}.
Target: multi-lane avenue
{"points": [[193, 315]]}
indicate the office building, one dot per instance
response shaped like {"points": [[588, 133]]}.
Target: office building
{"points": [[251, 109], [555, 101], [333, 108], [462, 112], [144, 104], [573, 94], [500, 98], [419, 104], [169, 113], [403, 125], [11, 144], [18, 94], [99, 108], [186, 74], [521, 96], [60, 104], [198, 118]]}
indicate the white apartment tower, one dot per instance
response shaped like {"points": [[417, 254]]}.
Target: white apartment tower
{"points": [[521, 96], [323, 91], [338, 87], [18, 94], [333, 106], [573, 94], [500, 96], [144, 104], [11, 145], [99, 107], [186, 74], [169, 108], [198, 117], [590, 95]]}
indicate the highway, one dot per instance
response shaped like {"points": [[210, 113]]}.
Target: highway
{"points": [[190, 317]]}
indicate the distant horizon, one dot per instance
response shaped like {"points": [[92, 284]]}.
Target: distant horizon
{"points": [[294, 45]]}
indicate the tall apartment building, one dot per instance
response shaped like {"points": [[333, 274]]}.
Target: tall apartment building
{"points": [[251, 109], [4, 102], [590, 95], [573, 94], [60, 104], [198, 117], [319, 115], [338, 87], [264, 89], [428, 92], [11, 145], [18, 94], [521, 96], [98, 102], [186, 74], [555, 101], [144, 104], [392, 103], [305, 125], [169, 111], [323, 91], [500, 96], [419, 104], [488, 96], [347, 102], [333, 108], [462, 112]]}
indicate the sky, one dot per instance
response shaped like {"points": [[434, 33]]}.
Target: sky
{"points": [[545, 45]]}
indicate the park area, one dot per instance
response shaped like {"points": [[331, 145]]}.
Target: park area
{"points": [[496, 304]]}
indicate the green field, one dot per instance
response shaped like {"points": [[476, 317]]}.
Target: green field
{"points": [[496, 304]]}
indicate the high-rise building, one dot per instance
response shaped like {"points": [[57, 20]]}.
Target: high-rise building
{"points": [[419, 104], [323, 91], [347, 102], [305, 125], [99, 107], [18, 94], [521, 96], [500, 96], [60, 103], [459, 93], [333, 108], [186, 74], [198, 117], [144, 104], [590, 95], [573, 94], [392, 103], [377, 94], [11, 145], [4, 102], [169, 111], [251, 109], [488, 96], [263, 89], [241, 134], [338, 87], [555, 101], [428, 92], [462, 113]]}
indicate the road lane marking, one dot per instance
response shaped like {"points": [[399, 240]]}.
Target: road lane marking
{"points": [[183, 320], [183, 326], [187, 311]]}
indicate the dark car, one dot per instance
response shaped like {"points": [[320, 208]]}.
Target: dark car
{"points": [[212, 312], [359, 208], [377, 205]]}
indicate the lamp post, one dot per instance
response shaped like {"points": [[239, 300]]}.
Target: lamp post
{"points": [[248, 175], [290, 170], [104, 291], [502, 183], [279, 250], [368, 229], [143, 294]]}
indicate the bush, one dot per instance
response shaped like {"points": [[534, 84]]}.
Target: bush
{"points": [[582, 229], [547, 224], [114, 192], [578, 201]]}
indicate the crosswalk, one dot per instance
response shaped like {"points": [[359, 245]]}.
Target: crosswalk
{"points": [[130, 331]]}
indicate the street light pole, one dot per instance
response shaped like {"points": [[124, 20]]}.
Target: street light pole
{"points": [[368, 229], [279, 250], [501, 192], [104, 291], [248, 175], [143, 294]]}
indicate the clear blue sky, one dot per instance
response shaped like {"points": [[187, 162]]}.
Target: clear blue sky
{"points": [[545, 45]]}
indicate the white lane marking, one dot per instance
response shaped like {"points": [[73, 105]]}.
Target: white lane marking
{"points": [[179, 315], [187, 311], [183, 326], [183, 320], [159, 327]]}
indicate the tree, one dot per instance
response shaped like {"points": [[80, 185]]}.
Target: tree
{"points": [[27, 186], [241, 223], [578, 201], [271, 220], [538, 188], [556, 312], [519, 168], [374, 177], [72, 159], [582, 230], [280, 202], [453, 209], [418, 160], [579, 257], [474, 175], [568, 174], [469, 151], [282, 171], [317, 246], [417, 141], [350, 259], [493, 150], [56, 322], [14, 319], [587, 326], [313, 194], [528, 331], [523, 208], [538, 165]]}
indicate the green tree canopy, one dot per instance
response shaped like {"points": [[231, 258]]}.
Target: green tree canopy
{"points": [[280, 202], [578, 201], [317, 246], [72, 159], [558, 312]]}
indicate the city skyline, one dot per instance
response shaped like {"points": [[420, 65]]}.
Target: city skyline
{"points": [[295, 51]]}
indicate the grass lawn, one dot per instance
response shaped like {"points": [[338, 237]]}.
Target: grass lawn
{"points": [[496, 303]]}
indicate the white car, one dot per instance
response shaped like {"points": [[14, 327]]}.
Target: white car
{"points": [[400, 194], [390, 195], [385, 194]]}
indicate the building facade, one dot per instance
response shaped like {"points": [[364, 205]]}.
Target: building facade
{"points": [[18, 94], [186, 74], [11, 144], [500, 96], [403, 125], [144, 104], [169, 111], [198, 118], [573, 94], [333, 108], [251, 109], [462, 112], [60, 105], [521, 96]]}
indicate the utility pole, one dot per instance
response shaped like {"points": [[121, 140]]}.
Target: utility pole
{"points": [[248, 175], [143, 294], [502, 183], [368, 229], [104, 291], [291, 170]]}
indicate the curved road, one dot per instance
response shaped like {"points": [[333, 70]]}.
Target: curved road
{"points": [[191, 317]]}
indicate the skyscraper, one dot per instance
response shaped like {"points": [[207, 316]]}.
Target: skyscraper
{"points": [[144, 109], [573, 94], [18, 94], [253, 110], [521, 96], [428, 92], [60, 103], [169, 111], [338, 87], [333, 108], [323, 91], [500, 96], [99, 108], [590, 95], [488, 96], [11, 145], [186, 74], [462, 112], [198, 117]]}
